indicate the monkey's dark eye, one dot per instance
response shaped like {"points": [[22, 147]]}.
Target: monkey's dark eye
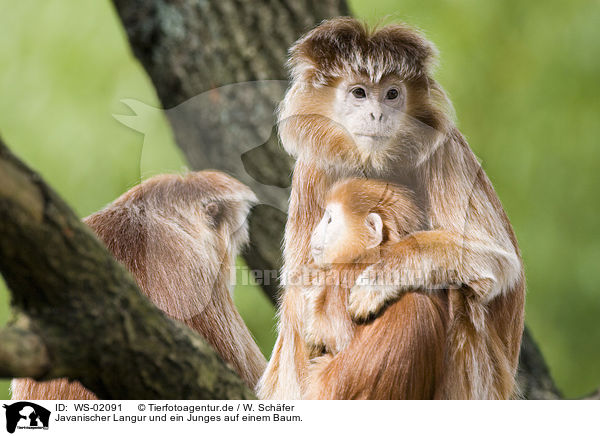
{"points": [[359, 92], [392, 94]]}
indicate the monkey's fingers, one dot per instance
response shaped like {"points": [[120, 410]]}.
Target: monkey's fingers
{"points": [[365, 302], [371, 292]]}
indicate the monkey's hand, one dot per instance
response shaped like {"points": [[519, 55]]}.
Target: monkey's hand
{"points": [[370, 293]]}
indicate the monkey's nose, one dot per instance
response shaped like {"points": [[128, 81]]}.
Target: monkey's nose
{"points": [[377, 117]]}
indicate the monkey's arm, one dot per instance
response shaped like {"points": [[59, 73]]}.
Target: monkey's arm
{"points": [[287, 366], [288, 363], [432, 260]]}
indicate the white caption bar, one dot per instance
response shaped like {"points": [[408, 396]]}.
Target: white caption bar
{"points": [[298, 417]]}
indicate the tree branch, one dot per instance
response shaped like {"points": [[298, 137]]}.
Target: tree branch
{"points": [[87, 319]]}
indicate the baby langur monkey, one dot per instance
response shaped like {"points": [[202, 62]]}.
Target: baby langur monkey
{"points": [[178, 236], [399, 354]]}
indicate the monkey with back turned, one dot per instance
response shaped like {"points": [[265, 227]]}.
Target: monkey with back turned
{"points": [[178, 236]]}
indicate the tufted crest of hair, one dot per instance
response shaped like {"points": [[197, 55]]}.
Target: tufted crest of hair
{"points": [[179, 236], [344, 46], [395, 205]]}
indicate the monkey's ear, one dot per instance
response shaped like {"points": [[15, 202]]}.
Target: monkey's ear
{"points": [[375, 226], [214, 210]]}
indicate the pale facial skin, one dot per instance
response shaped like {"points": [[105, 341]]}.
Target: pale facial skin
{"points": [[371, 112], [338, 239]]}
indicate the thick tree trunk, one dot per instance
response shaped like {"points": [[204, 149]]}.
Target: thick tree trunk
{"points": [[80, 314], [239, 46], [199, 55]]}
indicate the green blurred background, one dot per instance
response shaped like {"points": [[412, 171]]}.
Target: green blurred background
{"points": [[523, 76]]}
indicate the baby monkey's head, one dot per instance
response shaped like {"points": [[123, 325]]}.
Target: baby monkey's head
{"points": [[360, 216]]}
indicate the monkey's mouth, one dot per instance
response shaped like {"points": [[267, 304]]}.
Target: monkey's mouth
{"points": [[317, 251], [371, 142], [374, 137]]}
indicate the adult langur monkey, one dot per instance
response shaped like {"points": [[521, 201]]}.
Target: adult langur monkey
{"points": [[178, 236], [363, 103]]}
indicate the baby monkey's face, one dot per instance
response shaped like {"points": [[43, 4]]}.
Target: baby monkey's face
{"points": [[344, 236]]}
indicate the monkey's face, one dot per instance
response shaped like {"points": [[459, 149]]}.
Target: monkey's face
{"points": [[362, 99], [343, 237], [372, 113]]}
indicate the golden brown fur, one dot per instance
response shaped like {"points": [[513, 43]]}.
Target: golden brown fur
{"points": [[365, 361], [468, 242], [379, 364], [178, 236], [349, 252]]}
